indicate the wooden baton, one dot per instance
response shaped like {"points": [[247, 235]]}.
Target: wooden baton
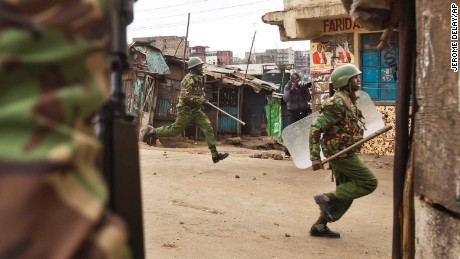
{"points": [[362, 141], [226, 113]]}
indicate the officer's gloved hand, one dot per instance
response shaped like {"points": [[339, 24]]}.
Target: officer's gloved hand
{"points": [[316, 165], [206, 101]]}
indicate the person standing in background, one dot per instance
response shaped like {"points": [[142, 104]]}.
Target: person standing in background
{"points": [[297, 97]]}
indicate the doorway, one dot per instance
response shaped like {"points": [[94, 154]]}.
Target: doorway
{"points": [[380, 68]]}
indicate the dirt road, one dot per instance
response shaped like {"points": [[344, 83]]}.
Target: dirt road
{"points": [[246, 207]]}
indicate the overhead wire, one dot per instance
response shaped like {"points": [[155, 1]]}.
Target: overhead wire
{"points": [[203, 11], [169, 6], [167, 25]]}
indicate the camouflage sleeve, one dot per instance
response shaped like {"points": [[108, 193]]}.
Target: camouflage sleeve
{"points": [[331, 114], [54, 75], [190, 95]]}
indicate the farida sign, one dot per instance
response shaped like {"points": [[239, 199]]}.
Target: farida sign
{"points": [[339, 25]]}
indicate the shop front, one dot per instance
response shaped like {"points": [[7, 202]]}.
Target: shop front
{"points": [[335, 40]]}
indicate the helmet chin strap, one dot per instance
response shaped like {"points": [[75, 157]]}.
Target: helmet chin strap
{"points": [[196, 70], [352, 93]]}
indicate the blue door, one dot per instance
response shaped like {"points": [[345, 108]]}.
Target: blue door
{"points": [[379, 78]]}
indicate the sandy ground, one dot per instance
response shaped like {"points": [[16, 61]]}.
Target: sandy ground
{"points": [[246, 207]]}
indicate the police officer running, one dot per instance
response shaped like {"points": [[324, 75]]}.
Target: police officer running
{"points": [[341, 124], [189, 111]]}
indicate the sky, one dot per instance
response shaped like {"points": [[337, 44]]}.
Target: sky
{"points": [[218, 24]]}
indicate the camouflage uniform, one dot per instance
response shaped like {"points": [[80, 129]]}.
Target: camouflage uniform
{"points": [[53, 78], [189, 110], [341, 124]]}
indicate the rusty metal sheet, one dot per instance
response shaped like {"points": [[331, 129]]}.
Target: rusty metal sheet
{"points": [[230, 81], [219, 70], [155, 61], [231, 77], [265, 83], [215, 75]]}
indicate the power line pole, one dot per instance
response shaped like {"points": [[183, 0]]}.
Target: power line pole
{"points": [[240, 110], [185, 47]]}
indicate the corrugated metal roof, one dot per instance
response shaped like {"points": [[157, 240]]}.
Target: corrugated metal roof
{"points": [[153, 57], [232, 77], [253, 69], [272, 85], [219, 70]]}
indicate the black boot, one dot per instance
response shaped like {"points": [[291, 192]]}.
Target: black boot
{"points": [[149, 136], [216, 156], [324, 232], [286, 153]]}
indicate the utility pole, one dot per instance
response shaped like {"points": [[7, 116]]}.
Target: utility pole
{"points": [[241, 95], [185, 47]]}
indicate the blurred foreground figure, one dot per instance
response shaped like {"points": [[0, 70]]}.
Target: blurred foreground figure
{"points": [[54, 76]]}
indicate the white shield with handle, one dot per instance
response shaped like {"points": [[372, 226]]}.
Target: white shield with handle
{"points": [[296, 135]]}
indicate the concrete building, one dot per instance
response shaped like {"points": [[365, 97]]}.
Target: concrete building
{"points": [[264, 57], [285, 56], [211, 58], [279, 56], [224, 57], [199, 51], [302, 60], [272, 53], [269, 56], [220, 57], [252, 60], [237, 60], [168, 45]]}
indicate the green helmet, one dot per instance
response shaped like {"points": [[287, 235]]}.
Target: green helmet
{"points": [[342, 74], [193, 62]]}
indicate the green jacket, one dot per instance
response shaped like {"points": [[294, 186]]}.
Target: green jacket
{"points": [[191, 94], [54, 64], [341, 124]]}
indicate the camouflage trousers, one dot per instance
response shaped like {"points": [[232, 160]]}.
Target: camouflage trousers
{"points": [[54, 74], [353, 180], [185, 119]]}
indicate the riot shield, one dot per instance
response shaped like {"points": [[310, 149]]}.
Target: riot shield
{"points": [[296, 135], [372, 117]]}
